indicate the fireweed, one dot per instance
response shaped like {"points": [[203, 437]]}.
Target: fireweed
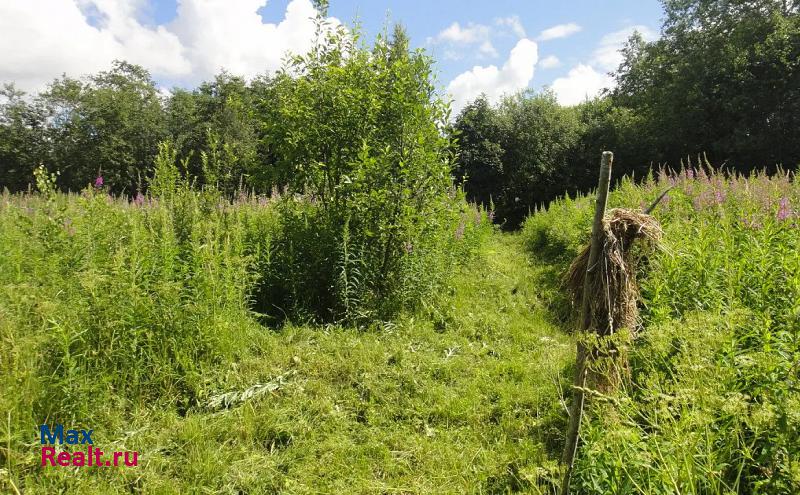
{"points": [[711, 406]]}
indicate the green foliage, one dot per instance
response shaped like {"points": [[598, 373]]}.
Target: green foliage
{"points": [[108, 126], [711, 406], [722, 79], [45, 182], [357, 134], [479, 165], [216, 130], [22, 138], [140, 296], [132, 318], [517, 155]]}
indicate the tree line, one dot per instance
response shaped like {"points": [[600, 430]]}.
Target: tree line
{"points": [[722, 80]]}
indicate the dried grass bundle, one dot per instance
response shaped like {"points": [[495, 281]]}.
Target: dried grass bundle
{"points": [[614, 291]]}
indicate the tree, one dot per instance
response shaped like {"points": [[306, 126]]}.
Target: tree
{"points": [[538, 136], [724, 78], [22, 138], [216, 130], [358, 132], [479, 166], [109, 125]]}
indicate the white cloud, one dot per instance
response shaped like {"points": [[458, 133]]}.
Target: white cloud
{"points": [[487, 50], [44, 38], [607, 55], [580, 83], [586, 80], [455, 37], [454, 33], [451, 54], [550, 62], [515, 74], [513, 23], [559, 31]]}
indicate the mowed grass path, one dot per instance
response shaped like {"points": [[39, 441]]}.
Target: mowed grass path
{"points": [[462, 398]]}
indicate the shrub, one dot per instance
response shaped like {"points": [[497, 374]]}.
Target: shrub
{"points": [[357, 136]]}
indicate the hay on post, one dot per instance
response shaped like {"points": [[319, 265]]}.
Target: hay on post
{"points": [[613, 286]]}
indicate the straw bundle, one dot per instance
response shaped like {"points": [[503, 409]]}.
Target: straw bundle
{"points": [[614, 291]]}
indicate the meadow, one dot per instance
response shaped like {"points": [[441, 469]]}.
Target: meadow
{"points": [[321, 280], [146, 319]]}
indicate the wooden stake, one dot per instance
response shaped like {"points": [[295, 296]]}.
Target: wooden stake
{"points": [[595, 248]]}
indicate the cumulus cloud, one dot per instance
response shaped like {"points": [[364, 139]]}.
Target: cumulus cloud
{"points": [[44, 38], [581, 83], [608, 56], [549, 62], [512, 23], [455, 37], [559, 31], [223, 34], [454, 33], [487, 49], [587, 80], [515, 74]]}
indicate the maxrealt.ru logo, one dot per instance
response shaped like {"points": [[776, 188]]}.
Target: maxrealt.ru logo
{"points": [[90, 457]]}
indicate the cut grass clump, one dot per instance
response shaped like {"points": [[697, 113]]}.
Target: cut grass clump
{"points": [[613, 303]]}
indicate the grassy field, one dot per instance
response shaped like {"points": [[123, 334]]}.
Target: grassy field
{"points": [[462, 397], [111, 321]]}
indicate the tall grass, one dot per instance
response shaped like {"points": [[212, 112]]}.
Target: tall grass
{"points": [[713, 404], [111, 306]]}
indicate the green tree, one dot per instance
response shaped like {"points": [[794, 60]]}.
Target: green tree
{"points": [[520, 154], [22, 138], [480, 155], [724, 78], [109, 125], [215, 128], [359, 132], [538, 136]]}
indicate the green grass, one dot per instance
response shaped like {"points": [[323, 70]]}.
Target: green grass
{"points": [[713, 403], [138, 322], [461, 397]]}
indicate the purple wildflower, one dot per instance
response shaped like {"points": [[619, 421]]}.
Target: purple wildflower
{"points": [[490, 215], [460, 231], [139, 199], [408, 247], [98, 182], [784, 211]]}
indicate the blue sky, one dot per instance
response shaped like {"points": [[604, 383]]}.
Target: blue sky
{"points": [[493, 47], [425, 19]]}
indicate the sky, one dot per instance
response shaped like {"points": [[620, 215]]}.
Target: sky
{"points": [[493, 47]]}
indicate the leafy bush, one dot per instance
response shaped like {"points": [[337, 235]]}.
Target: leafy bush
{"points": [[370, 221]]}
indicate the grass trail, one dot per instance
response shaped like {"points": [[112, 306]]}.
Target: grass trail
{"points": [[463, 398]]}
